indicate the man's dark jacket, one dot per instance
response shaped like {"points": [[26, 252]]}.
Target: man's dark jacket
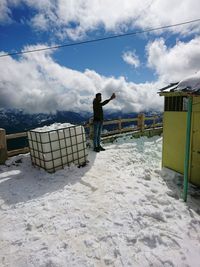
{"points": [[98, 110]]}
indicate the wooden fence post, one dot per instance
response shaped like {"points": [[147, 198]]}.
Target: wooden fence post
{"points": [[120, 125], [154, 121], [141, 118], [3, 146]]}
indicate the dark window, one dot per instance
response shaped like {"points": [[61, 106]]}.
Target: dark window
{"points": [[176, 103]]}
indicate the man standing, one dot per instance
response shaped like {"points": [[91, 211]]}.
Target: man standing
{"points": [[98, 120]]}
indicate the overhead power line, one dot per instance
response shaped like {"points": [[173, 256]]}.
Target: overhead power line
{"points": [[100, 39]]}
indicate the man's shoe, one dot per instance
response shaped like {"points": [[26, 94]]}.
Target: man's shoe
{"points": [[101, 148], [96, 149]]}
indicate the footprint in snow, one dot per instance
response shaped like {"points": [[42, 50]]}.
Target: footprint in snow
{"points": [[172, 194], [154, 190], [147, 177]]}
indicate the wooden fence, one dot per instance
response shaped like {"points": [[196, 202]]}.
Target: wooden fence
{"points": [[139, 125]]}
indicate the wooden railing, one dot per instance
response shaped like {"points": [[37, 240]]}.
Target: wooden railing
{"points": [[138, 126]]}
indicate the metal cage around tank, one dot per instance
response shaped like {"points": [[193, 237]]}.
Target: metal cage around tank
{"points": [[53, 150]]}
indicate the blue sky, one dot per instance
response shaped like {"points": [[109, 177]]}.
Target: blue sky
{"points": [[105, 57], [133, 67]]}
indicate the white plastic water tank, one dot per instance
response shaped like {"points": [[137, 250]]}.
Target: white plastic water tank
{"points": [[55, 146]]}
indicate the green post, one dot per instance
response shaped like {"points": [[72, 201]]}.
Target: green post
{"points": [[187, 149]]}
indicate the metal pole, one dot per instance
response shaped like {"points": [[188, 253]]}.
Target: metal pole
{"points": [[187, 149]]}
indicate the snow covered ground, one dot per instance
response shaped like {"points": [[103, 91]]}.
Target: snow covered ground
{"points": [[120, 210]]}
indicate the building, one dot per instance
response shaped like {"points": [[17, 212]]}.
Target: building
{"points": [[181, 127]]}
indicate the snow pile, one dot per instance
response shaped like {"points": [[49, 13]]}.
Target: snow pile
{"points": [[53, 127], [191, 83], [120, 210]]}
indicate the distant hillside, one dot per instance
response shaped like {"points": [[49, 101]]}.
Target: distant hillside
{"points": [[18, 121]]}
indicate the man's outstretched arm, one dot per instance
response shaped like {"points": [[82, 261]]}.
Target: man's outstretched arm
{"points": [[108, 100]]}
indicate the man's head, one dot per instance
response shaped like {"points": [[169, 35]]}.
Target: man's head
{"points": [[98, 97]]}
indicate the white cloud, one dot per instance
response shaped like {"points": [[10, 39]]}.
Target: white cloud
{"points": [[38, 84], [40, 22], [87, 15], [175, 63], [4, 12], [131, 58]]}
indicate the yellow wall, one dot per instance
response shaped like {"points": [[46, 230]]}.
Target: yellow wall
{"points": [[174, 137], [196, 103], [174, 141]]}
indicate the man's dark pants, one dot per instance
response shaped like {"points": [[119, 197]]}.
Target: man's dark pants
{"points": [[97, 133]]}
